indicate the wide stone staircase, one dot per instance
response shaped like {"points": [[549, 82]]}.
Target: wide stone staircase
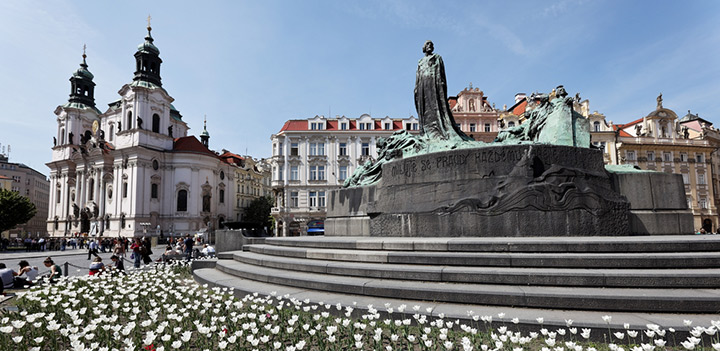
{"points": [[643, 279]]}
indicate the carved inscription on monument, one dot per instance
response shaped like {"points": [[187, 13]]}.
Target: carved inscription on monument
{"points": [[418, 166]]}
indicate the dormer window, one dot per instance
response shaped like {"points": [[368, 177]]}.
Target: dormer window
{"points": [[343, 126], [317, 126]]}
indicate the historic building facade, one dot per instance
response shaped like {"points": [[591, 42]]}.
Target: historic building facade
{"points": [[32, 184], [316, 155], [661, 141], [253, 179], [133, 170], [474, 114]]}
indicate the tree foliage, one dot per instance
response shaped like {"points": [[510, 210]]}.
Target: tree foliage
{"points": [[259, 211], [14, 209]]}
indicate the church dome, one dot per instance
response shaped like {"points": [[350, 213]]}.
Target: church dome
{"points": [[148, 46]]}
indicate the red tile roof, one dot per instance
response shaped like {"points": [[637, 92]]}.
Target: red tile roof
{"points": [[231, 158], [452, 101], [190, 144]]}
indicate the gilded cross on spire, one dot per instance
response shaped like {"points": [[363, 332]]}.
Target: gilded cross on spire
{"points": [[148, 19], [84, 47]]}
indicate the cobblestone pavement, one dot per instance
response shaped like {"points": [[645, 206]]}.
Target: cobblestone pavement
{"points": [[77, 259]]}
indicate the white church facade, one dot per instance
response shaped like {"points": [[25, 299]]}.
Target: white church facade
{"points": [[133, 170]]}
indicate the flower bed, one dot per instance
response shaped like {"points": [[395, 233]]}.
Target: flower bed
{"points": [[163, 309]]}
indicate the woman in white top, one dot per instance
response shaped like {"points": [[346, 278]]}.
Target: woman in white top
{"points": [[30, 272]]}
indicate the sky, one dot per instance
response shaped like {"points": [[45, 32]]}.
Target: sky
{"points": [[249, 66]]}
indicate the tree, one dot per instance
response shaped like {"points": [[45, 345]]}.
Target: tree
{"points": [[14, 209], [259, 211]]}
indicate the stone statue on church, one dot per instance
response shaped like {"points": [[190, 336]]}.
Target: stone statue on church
{"points": [[70, 138], [54, 141], [436, 120], [170, 131], [659, 101], [119, 126], [139, 122]]}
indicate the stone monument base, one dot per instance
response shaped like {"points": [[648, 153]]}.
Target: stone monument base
{"points": [[510, 190]]}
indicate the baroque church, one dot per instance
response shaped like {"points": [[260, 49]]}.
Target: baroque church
{"points": [[133, 170]]}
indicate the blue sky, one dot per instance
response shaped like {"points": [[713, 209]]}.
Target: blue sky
{"points": [[251, 65]]}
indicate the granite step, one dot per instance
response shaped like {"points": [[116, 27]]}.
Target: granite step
{"points": [[664, 243], [527, 317], [650, 260], [578, 298], [599, 277]]}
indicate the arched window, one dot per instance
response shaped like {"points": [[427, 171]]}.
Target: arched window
{"points": [[222, 196], [156, 123], [62, 136], [182, 201], [91, 188], [129, 120], [153, 191], [112, 132], [596, 126]]}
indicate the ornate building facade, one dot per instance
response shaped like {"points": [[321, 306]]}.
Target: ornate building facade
{"points": [[32, 184], [316, 155], [133, 170]]}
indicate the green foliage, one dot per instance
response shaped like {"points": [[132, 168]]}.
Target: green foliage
{"points": [[14, 209], [259, 211]]}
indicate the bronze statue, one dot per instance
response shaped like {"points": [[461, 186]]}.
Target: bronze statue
{"points": [[436, 120]]}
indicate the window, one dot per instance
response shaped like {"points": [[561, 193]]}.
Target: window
{"points": [[342, 174], [221, 196], [112, 132], [317, 172], [281, 170], [415, 126], [321, 199], [343, 126], [596, 126], [511, 124], [125, 189], [686, 178], [156, 123], [129, 120], [362, 126], [155, 165], [473, 128], [294, 199], [683, 157], [342, 151], [667, 157], [58, 194], [699, 158], [280, 149], [630, 155], [366, 126], [487, 127], [312, 199], [62, 138], [182, 201], [153, 191], [317, 149], [651, 156], [294, 149], [365, 149], [702, 202], [91, 188], [316, 126], [388, 126], [294, 173], [701, 178]]}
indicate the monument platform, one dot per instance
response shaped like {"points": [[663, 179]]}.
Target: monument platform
{"points": [[636, 279]]}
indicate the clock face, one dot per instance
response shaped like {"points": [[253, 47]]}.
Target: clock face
{"points": [[95, 127]]}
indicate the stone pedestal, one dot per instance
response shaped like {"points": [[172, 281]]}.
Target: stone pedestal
{"points": [[507, 190]]}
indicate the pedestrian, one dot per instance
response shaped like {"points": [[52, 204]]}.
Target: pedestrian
{"points": [[188, 243], [93, 249], [147, 250], [55, 270], [30, 272], [136, 248], [97, 266], [118, 265]]}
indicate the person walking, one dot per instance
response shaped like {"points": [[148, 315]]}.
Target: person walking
{"points": [[136, 248], [92, 249]]}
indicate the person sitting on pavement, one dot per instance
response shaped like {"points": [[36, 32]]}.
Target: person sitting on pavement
{"points": [[7, 276], [208, 251], [118, 265], [97, 266], [55, 270], [30, 272]]}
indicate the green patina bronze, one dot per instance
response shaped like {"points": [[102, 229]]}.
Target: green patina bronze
{"points": [[549, 121]]}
